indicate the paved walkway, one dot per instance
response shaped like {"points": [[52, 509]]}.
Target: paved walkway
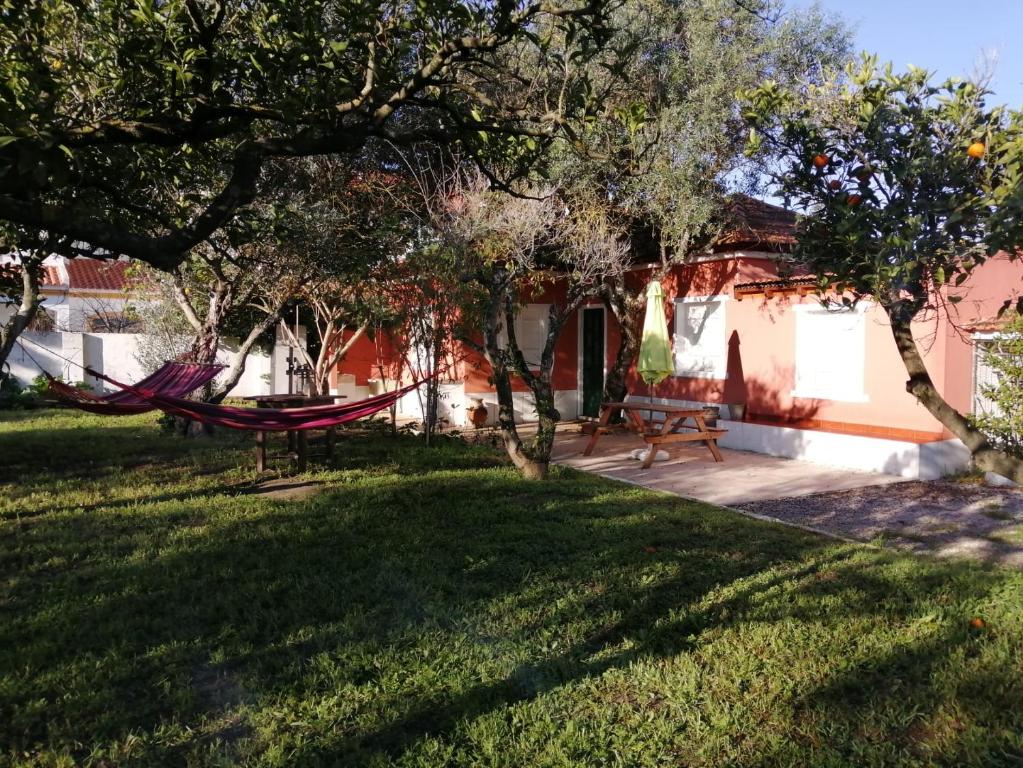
{"points": [[943, 518], [691, 471]]}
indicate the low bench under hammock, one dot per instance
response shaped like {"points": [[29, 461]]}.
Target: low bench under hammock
{"points": [[170, 379], [262, 419]]}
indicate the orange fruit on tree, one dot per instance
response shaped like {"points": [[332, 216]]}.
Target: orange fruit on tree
{"points": [[853, 200], [835, 184], [820, 160], [976, 150]]}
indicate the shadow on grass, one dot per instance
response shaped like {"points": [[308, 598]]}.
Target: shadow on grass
{"points": [[411, 603]]}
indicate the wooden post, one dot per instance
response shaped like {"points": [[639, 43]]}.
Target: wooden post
{"points": [[260, 451], [302, 440]]}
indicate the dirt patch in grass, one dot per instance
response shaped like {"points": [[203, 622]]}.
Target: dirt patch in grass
{"points": [[285, 489], [948, 518]]}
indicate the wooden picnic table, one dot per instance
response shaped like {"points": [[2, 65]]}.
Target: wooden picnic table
{"points": [[298, 443], [672, 428]]}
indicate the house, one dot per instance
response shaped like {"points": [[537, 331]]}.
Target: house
{"points": [[85, 295], [89, 317], [815, 384]]}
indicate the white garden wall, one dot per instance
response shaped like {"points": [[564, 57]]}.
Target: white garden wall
{"points": [[116, 355]]}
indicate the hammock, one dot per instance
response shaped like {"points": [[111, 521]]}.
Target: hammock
{"points": [[170, 379], [263, 419]]}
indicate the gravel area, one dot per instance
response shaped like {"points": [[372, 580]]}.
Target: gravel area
{"points": [[947, 518]]}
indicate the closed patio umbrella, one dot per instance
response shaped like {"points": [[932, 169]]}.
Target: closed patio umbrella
{"points": [[655, 360]]}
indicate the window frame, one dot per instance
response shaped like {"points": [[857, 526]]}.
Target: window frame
{"points": [[720, 372], [856, 393]]}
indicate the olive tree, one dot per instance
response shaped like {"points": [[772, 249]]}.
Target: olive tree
{"points": [[670, 147], [509, 246]]}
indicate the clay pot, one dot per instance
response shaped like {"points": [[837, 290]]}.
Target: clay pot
{"points": [[478, 413], [711, 414]]}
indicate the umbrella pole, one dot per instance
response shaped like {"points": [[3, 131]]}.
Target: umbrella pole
{"points": [[653, 394]]}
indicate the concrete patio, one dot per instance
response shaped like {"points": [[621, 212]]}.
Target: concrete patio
{"points": [[690, 471]]}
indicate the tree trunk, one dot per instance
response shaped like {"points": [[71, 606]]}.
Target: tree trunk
{"points": [[530, 465], [920, 385], [237, 365], [626, 309], [26, 311]]}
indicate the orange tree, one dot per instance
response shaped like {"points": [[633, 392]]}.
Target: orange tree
{"points": [[898, 181]]}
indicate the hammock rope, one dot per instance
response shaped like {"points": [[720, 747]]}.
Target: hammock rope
{"points": [[267, 419], [144, 396], [174, 378]]}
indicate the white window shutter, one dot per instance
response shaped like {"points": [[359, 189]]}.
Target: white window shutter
{"points": [[531, 332], [700, 346], [830, 354]]}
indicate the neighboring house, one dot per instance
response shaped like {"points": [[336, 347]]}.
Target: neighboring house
{"points": [[87, 318], [816, 384], [87, 295]]}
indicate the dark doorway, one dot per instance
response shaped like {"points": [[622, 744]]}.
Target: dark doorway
{"points": [[593, 361]]}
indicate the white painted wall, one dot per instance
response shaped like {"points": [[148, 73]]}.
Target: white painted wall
{"points": [[926, 461], [450, 407], [116, 355], [565, 400], [46, 351]]}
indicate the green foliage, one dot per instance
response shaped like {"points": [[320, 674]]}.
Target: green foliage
{"points": [[143, 127], [431, 608], [14, 396], [1004, 423], [668, 145], [896, 207]]}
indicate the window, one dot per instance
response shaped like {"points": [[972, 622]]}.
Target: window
{"points": [[531, 324], [701, 350], [830, 353], [112, 322], [984, 376]]}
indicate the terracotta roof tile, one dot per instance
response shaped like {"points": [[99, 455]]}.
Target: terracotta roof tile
{"points": [[51, 276], [756, 223], [96, 275]]}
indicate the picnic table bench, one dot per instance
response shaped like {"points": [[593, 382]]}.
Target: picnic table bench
{"points": [[672, 428], [298, 443]]}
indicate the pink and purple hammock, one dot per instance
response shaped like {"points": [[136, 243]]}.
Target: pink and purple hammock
{"points": [[171, 379], [163, 390]]}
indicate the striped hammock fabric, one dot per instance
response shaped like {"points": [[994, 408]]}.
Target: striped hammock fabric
{"points": [[171, 379], [264, 419]]}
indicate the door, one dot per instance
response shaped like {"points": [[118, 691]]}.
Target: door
{"points": [[593, 361]]}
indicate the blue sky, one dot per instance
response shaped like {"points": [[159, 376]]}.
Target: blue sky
{"points": [[945, 36]]}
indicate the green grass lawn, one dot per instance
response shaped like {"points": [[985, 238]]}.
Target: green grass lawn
{"points": [[428, 608]]}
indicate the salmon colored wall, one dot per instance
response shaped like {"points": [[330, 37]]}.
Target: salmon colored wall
{"points": [[761, 336], [362, 358], [990, 284], [472, 368], [476, 370]]}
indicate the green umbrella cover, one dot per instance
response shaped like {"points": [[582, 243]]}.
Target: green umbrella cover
{"points": [[655, 360]]}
